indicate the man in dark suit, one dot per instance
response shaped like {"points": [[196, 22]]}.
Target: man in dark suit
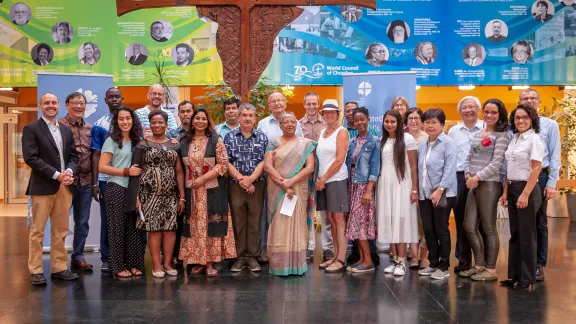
{"points": [[50, 152], [138, 58], [497, 36]]}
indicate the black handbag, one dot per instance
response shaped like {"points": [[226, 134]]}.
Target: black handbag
{"points": [[443, 202]]}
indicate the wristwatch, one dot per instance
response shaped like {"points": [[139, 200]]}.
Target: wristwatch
{"points": [[414, 191], [441, 188]]}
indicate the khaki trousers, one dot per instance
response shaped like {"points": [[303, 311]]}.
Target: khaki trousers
{"points": [[57, 208]]}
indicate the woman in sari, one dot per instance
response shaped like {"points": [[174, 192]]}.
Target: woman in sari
{"points": [[289, 162]]}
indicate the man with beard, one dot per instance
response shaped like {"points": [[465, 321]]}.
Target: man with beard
{"points": [[20, 12], [185, 111], [155, 98], [231, 106], [100, 132]]}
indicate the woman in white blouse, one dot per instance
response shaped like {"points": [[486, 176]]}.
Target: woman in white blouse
{"points": [[524, 162]]}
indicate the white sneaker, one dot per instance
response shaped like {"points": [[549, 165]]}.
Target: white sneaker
{"points": [[439, 274], [390, 268], [400, 269], [427, 271]]}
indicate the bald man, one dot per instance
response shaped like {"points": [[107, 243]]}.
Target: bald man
{"points": [[156, 97]]}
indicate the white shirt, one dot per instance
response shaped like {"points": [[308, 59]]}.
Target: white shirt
{"points": [[326, 152], [522, 150], [271, 128], [57, 135], [461, 136]]}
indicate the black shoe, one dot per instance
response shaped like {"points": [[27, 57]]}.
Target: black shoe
{"points": [[521, 286], [539, 273], [461, 268], [328, 255], [65, 275], [309, 255], [508, 283], [37, 279]]}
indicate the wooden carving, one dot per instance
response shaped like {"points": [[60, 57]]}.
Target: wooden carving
{"points": [[246, 30]]}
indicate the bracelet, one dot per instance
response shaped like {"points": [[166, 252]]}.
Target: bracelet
{"points": [[126, 172], [182, 199], [96, 186], [414, 191]]}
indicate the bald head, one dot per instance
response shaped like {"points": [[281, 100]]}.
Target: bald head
{"points": [[155, 96]]}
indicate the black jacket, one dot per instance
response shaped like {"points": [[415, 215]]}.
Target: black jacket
{"points": [[41, 155]]}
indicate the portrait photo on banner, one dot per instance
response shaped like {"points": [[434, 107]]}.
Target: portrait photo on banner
{"points": [[136, 54], [62, 32], [161, 30], [42, 54]]}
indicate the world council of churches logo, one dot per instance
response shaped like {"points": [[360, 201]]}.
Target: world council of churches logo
{"points": [[91, 102], [364, 88]]}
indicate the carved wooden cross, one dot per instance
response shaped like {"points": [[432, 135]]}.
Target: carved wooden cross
{"points": [[246, 30]]}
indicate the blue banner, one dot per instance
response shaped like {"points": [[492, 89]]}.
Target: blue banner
{"points": [[456, 42], [376, 91], [94, 89]]}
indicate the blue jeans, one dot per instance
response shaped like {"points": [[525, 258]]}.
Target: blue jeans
{"points": [[103, 223], [81, 201]]}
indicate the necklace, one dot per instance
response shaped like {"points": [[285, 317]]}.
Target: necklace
{"points": [[195, 148]]}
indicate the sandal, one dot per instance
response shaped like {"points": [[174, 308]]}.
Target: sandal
{"points": [[326, 264], [136, 272], [123, 274], [341, 269], [211, 271], [197, 270]]}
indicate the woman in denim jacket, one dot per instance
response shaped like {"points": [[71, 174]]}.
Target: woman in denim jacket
{"points": [[363, 162]]}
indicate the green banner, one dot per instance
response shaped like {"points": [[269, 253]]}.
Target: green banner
{"points": [[82, 36]]}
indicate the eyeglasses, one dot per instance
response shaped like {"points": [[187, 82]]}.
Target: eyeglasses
{"points": [[157, 94], [525, 99], [431, 123], [273, 102], [490, 113], [413, 118], [78, 103]]}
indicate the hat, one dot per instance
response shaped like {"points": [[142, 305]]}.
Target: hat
{"points": [[330, 104]]}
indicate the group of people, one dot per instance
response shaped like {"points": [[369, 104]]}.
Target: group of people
{"points": [[206, 193]]}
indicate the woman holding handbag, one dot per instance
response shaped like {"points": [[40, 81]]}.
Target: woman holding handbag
{"points": [[437, 192]]}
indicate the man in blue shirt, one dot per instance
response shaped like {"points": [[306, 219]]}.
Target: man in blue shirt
{"points": [[100, 131], [550, 134], [246, 147], [231, 113]]}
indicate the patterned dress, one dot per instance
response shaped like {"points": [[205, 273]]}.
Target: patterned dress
{"points": [[362, 217], [158, 190], [199, 248]]}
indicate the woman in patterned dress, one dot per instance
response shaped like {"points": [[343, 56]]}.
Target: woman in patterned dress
{"points": [[161, 192], [207, 234], [363, 161]]}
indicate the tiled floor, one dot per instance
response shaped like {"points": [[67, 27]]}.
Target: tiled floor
{"points": [[262, 298]]}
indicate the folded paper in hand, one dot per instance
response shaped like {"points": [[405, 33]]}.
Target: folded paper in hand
{"points": [[288, 205]]}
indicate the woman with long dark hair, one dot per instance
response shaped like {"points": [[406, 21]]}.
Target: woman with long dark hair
{"points": [[397, 191], [483, 178], [207, 234], [126, 242], [522, 195]]}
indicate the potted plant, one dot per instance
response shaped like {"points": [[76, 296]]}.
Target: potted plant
{"points": [[564, 112], [216, 94]]}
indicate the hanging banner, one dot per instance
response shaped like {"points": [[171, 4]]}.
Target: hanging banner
{"points": [[491, 42], [94, 89], [376, 91]]}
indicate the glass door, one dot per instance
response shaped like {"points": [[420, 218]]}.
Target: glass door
{"points": [[17, 172]]}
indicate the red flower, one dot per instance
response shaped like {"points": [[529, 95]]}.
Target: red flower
{"points": [[486, 142], [205, 169]]}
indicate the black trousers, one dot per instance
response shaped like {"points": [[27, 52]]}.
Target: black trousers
{"points": [[522, 249], [463, 249], [542, 222], [179, 221], [435, 224]]}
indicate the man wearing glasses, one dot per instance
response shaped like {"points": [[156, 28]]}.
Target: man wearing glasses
{"points": [[155, 100], [550, 134], [461, 135], [81, 188]]}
